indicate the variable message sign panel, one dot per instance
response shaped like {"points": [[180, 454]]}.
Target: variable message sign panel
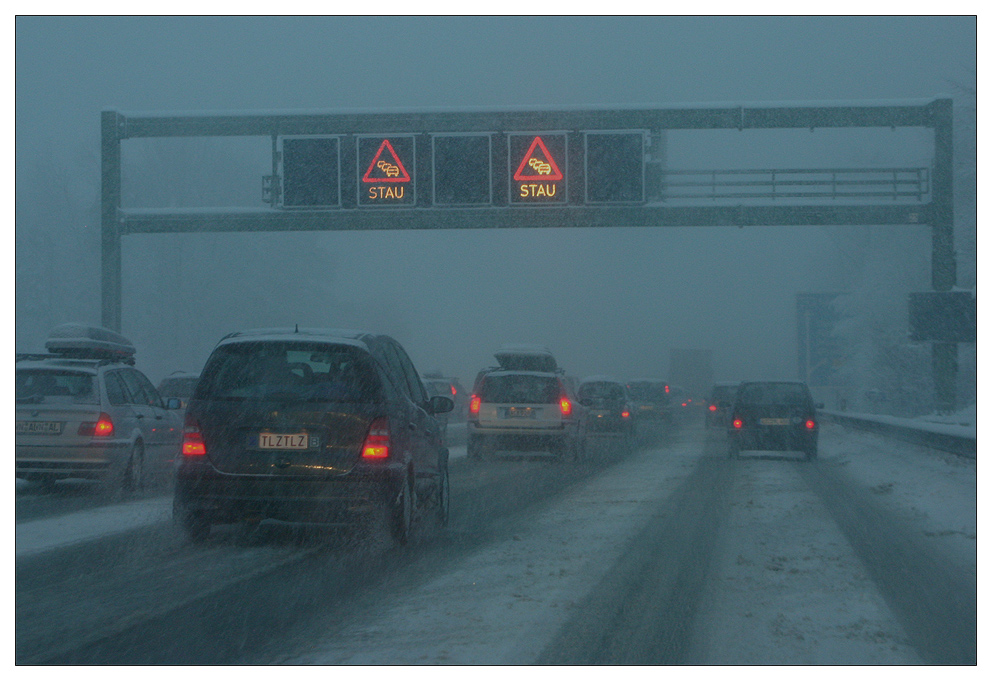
{"points": [[462, 169], [311, 172], [385, 168], [537, 164], [614, 167]]}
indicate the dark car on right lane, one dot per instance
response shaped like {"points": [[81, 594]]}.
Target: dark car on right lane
{"points": [[775, 416]]}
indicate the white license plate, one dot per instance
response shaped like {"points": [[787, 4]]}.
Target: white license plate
{"points": [[519, 413], [38, 428], [283, 441], [774, 422]]}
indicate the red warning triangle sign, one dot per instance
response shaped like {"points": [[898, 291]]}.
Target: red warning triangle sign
{"points": [[388, 169], [538, 164]]}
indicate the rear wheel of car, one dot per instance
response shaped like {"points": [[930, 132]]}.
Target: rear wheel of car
{"points": [[134, 471], [478, 448], [196, 527], [443, 497], [401, 513]]}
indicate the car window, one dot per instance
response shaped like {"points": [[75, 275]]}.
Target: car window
{"points": [[116, 390], [521, 388], [315, 372], [153, 399], [648, 392], [411, 375], [774, 393], [394, 368], [52, 385], [135, 390]]}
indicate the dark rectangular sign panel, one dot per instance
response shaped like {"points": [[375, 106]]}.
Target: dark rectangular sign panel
{"points": [[538, 163], [944, 316], [311, 172], [462, 170], [385, 171], [614, 167]]}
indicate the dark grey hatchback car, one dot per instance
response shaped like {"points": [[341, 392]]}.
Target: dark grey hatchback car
{"points": [[311, 426]]}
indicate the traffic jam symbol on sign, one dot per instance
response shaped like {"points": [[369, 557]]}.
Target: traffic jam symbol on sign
{"points": [[538, 175], [386, 177]]}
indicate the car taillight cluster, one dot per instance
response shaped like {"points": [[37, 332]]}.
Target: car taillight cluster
{"points": [[738, 423], [376, 445], [474, 404], [193, 444], [625, 414], [566, 406], [103, 427], [810, 424], [712, 407]]}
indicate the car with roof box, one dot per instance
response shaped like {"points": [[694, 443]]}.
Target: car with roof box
{"points": [[527, 404], [83, 411], [319, 426]]}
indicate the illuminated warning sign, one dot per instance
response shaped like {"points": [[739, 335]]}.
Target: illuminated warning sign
{"points": [[386, 180], [537, 162]]}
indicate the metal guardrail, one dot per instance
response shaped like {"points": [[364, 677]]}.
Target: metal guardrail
{"points": [[786, 183], [934, 435]]}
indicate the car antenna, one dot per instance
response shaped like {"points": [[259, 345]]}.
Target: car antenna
{"points": [[297, 328]]}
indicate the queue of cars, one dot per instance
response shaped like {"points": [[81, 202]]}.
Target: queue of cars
{"points": [[337, 427]]}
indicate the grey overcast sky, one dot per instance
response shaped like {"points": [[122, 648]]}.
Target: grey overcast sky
{"points": [[609, 302]]}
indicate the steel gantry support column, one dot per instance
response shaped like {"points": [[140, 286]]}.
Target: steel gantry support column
{"points": [[943, 264], [110, 228]]}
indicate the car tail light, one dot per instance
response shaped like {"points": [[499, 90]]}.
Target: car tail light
{"points": [[566, 406], [474, 404], [810, 424], [738, 423], [454, 391], [193, 444], [712, 407], [376, 444], [103, 427], [667, 389], [625, 414]]}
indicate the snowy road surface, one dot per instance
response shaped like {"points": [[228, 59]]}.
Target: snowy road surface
{"points": [[672, 555]]}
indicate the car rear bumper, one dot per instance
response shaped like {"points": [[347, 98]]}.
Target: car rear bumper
{"points": [[94, 462], [781, 439], [223, 498]]}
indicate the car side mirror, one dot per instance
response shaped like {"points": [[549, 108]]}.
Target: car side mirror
{"points": [[439, 404], [173, 403]]}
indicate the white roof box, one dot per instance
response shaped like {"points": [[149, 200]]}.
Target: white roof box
{"points": [[88, 342], [526, 358]]}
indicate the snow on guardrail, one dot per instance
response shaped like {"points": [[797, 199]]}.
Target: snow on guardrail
{"points": [[954, 438]]}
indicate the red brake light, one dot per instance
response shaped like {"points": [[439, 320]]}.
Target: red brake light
{"points": [[376, 444], [454, 391], [193, 444], [712, 407], [625, 414], [667, 389], [474, 404], [738, 423], [810, 424], [566, 406], [104, 427]]}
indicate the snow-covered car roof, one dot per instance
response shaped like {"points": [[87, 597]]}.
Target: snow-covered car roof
{"points": [[600, 379], [341, 336]]}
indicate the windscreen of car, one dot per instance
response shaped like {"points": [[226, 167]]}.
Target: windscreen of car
{"points": [[648, 392], [774, 393], [607, 392], [723, 393], [54, 385], [306, 371], [521, 388], [177, 387]]}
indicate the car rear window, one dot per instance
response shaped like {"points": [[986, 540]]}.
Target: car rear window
{"points": [[601, 391], [52, 385], [774, 393], [521, 388], [177, 387], [648, 392], [305, 371]]}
